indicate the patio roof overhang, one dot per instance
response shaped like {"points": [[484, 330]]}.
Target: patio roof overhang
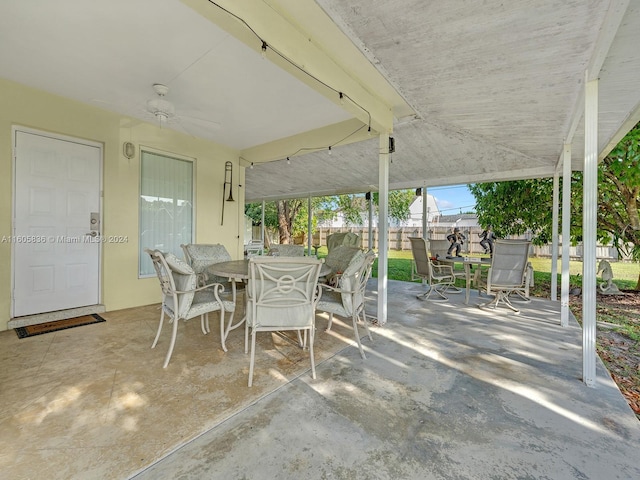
{"points": [[470, 91]]}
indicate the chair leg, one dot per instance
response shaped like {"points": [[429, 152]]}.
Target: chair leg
{"points": [[366, 325], [523, 295], [155, 341], [499, 297], [504, 296], [174, 333], [223, 330], [203, 325], [302, 343], [313, 361], [354, 319], [440, 289], [330, 322], [427, 294], [253, 355], [246, 338]]}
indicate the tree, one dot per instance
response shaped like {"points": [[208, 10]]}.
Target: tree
{"points": [[526, 205], [353, 206], [289, 217], [619, 195]]}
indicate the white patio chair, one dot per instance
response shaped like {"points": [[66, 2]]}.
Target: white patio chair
{"points": [[254, 248], [348, 239], [282, 293], [200, 256], [347, 299], [182, 299], [507, 274], [287, 250], [440, 277], [338, 260]]}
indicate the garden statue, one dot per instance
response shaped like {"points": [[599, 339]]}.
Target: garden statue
{"points": [[607, 287]]}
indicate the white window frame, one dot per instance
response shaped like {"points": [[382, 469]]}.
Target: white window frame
{"points": [[145, 267]]}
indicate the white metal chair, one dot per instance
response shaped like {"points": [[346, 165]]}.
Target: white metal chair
{"points": [[287, 250], [347, 299], [282, 293], [348, 239], [182, 299], [200, 256], [507, 274], [203, 255], [439, 277], [338, 259], [254, 248]]}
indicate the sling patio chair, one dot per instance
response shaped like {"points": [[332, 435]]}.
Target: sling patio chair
{"points": [[508, 273], [440, 277]]}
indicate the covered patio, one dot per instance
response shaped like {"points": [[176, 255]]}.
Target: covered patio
{"points": [[447, 391], [302, 97]]}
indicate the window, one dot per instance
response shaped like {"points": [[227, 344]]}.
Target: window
{"points": [[166, 206]]}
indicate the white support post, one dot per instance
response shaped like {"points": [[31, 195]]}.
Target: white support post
{"points": [[589, 222], [425, 214], [370, 206], [566, 235], [554, 238], [309, 225], [262, 226], [383, 226]]}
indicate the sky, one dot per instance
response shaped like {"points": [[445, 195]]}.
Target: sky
{"points": [[453, 199]]}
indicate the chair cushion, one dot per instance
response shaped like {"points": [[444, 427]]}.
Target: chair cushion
{"points": [[350, 281], [203, 255], [290, 317], [185, 280], [178, 265], [332, 302], [338, 259]]}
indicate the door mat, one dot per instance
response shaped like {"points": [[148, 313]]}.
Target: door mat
{"points": [[39, 329]]}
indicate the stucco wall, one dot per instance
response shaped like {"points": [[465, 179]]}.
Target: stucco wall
{"points": [[121, 287]]}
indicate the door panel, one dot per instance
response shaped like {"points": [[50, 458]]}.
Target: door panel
{"points": [[56, 265]]}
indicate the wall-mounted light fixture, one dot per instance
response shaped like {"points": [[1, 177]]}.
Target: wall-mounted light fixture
{"points": [[129, 150]]}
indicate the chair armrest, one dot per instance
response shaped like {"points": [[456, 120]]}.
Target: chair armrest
{"points": [[336, 289], [216, 287], [318, 295], [443, 267]]}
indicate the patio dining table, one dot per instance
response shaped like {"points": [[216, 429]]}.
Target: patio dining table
{"points": [[467, 262], [238, 271]]}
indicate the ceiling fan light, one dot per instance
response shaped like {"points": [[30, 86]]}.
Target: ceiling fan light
{"points": [[161, 108]]}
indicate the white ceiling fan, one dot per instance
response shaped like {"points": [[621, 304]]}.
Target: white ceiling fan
{"points": [[160, 107], [165, 113]]}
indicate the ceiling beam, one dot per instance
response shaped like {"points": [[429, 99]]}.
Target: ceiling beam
{"points": [[296, 50], [608, 31]]}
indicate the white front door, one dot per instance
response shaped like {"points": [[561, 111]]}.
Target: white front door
{"points": [[56, 265]]}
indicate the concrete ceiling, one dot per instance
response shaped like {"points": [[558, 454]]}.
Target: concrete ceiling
{"points": [[472, 91]]}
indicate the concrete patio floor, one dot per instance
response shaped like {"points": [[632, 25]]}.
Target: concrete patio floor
{"points": [[448, 391]]}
